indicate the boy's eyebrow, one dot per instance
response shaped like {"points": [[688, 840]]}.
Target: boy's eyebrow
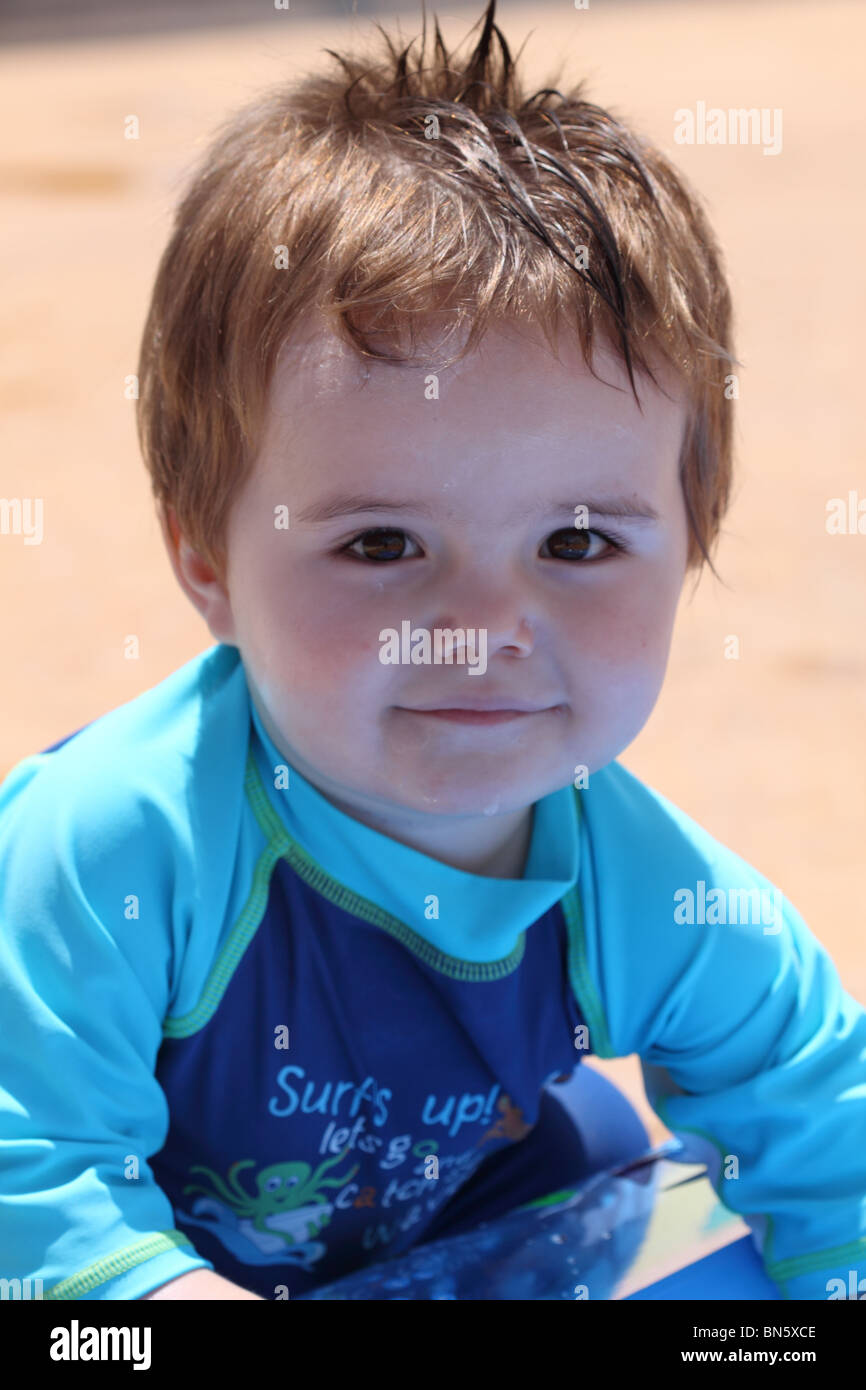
{"points": [[621, 507]]}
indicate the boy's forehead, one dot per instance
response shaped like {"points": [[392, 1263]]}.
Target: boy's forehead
{"points": [[510, 389]]}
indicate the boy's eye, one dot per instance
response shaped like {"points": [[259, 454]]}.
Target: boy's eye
{"points": [[382, 543], [574, 543]]}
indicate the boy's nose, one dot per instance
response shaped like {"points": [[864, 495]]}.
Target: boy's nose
{"points": [[507, 631]]}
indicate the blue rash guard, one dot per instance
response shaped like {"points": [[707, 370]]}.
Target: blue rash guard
{"points": [[242, 1031]]}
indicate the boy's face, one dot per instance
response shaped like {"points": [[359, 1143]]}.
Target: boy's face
{"points": [[476, 494]]}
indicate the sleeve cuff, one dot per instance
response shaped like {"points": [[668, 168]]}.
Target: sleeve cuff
{"points": [[140, 1277], [843, 1281]]}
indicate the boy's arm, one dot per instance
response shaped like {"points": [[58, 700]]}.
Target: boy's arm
{"points": [[752, 1052], [88, 891], [761, 1070]]}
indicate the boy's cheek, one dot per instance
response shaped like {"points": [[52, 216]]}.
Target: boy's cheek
{"points": [[335, 680], [623, 643], [635, 619]]}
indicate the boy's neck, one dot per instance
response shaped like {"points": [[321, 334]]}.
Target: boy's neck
{"points": [[492, 846]]}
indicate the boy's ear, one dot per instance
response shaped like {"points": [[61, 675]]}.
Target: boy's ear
{"points": [[198, 580]]}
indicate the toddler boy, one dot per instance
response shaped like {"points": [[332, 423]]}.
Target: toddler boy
{"points": [[294, 943]]}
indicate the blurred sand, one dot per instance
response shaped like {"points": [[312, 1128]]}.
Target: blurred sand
{"points": [[768, 752]]}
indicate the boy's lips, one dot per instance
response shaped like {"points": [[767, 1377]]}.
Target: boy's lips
{"points": [[480, 714]]}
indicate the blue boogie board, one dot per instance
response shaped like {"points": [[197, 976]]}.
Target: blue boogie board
{"points": [[652, 1229]]}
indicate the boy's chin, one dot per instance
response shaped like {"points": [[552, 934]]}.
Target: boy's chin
{"points": [[468, 791]]}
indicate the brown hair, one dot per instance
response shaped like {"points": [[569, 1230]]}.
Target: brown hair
{"points": [[330, 195]]}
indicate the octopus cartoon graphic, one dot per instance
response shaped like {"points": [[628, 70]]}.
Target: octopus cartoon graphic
{"points": [[276, 1224]]}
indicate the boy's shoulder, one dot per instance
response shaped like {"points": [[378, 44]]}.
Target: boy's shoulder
{"points": [[156, 771], [635, 825], [674, 924]]}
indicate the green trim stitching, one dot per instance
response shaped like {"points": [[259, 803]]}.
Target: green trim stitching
{"points": [[820, 1259], [581, 980], [229, 957], [77, 1285]]}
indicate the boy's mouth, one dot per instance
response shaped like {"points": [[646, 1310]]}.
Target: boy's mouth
{"points": [[476, 716], [465, 714]]}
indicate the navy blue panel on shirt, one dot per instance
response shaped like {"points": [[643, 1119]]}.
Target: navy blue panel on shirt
{"points": [[291, 1167]]}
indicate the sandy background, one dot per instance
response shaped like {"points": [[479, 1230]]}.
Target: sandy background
{"points": [[768, 752]]}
